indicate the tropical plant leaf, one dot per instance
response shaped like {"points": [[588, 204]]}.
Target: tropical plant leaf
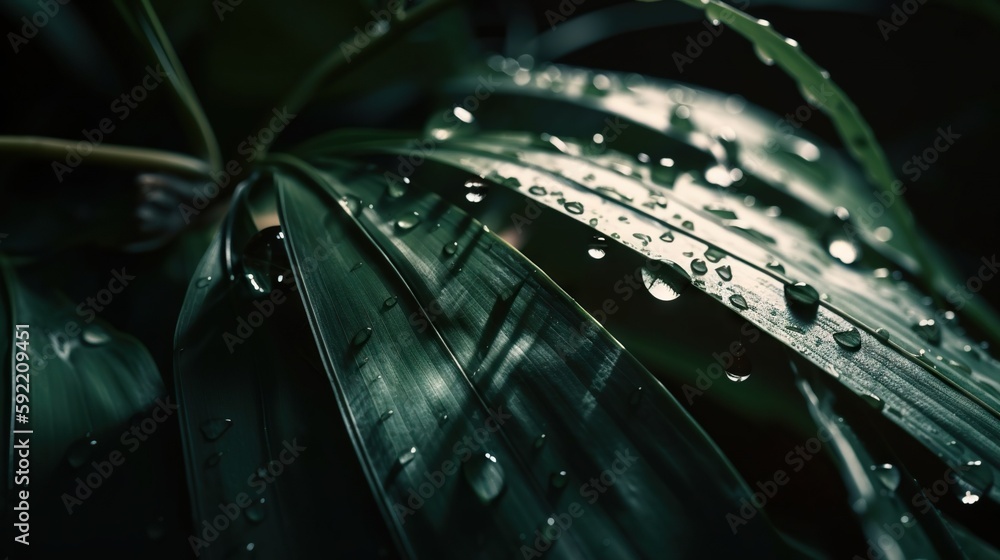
{"points": [[738, 208]]}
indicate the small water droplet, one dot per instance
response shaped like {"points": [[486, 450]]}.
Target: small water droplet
{"points": [[389, 301], [764, 56], [450, 249], [802, 296], [776, 266], [540, 441], [559, 479], [256, 512], [849, 339], [213, 459], [739, 370], [888, 475], [668, 236], [362, 336], [882, 334], [537, 191], [80, 451], [484, 476], [687, 224], [873, 401], [408, 221], [351, 203], [738, 301], [406, 457], [714, 254], [95, 335], [386, 415], [593, 222], [214, 429], [598, 247], [642, 237], [635, 399], [698, 266], [725, 272], [929, 330], [203, 282], [574, 207], [442, 419], [357, 265], [475, 191]]}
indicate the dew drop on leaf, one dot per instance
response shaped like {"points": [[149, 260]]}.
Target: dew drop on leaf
{"points": [[598, 247], [257, 511], [389, 301], [698, 266], [801, 296], [849, 339], [265, 263], [725, 272], [665, 280], [539, 441], [351, 203], [929, 330], [738, 301], [667, 236], [887, 475], [574, 207], [714, 254], [475, 191], [537, 191], [214, 429], [450, 248], [484, 476], [362, 336], [408, 221], [406, 457], [95, 335], [642, 237]]}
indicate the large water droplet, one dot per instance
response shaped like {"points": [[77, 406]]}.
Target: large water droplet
{"points": [[475, 191], [362, 336], [740, 369], [698, 266], [849, 339], [484, 476], [95, 335], [802, 296], [841, 237], [406, 457], [389, 301], [450, 249], [888, 475], [214, 428], [725, 272], [738, 301], [408, 221], [598, 247], [265, 263], [537, 191], [882, 334], [776, 266], [665, 280], [574, 207]]}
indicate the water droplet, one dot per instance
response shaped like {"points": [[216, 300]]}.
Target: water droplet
{"points": [[389, 301], [397, 189], [214, 429], [351, 203], [668, 236], [665, 280], [849, 339], [357, 265], [882, 334], [680, 118], [203, 282], [873, 401], [386, 415], [95, 335], [801, 296], [738, 301], [722, 212], [537, 191], [484, 476], [362, 336], [739, 370], [764, 56], [213, 459], [593, 222], [574, 207], [475, 191], [406, 457], [256, 512], [840, 237], [969, 498], [80, 451], [888, 475], [450, 249], [408, 221], [642, 237], [635, 399], [540, 441], [687, 224], [928, 330], [725, 272], [698, 266], [598, 247], [265, 264], [714, 254], [776, 266], [559, 479]]}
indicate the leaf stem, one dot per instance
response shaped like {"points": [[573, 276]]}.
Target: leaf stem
{"points": [[40, 147]]}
